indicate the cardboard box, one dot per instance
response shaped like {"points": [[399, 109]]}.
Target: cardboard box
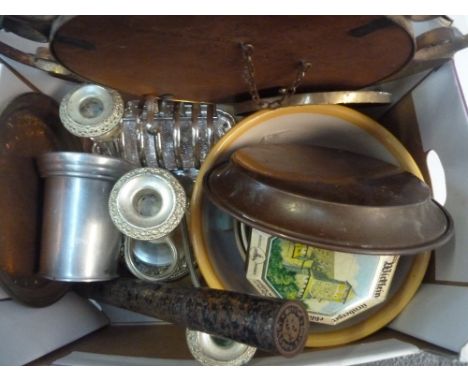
{"points": [[434, 108]]}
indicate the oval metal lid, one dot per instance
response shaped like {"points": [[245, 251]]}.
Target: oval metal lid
{"points": [[329, 198]]}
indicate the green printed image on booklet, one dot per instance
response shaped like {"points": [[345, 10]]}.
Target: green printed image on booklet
{"points": [[334, 286]]}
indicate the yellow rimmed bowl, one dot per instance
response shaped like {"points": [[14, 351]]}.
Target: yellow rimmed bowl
{"points": [[213, 234]]}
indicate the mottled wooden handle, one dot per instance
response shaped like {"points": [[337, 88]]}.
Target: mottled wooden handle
{"points": [[272, 325]]}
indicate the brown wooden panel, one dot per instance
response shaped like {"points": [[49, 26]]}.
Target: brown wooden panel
{"points": [[29, 127], [199, 57]]}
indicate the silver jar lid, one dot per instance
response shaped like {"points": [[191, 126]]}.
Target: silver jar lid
{"points": [[82, 165], [154, 260], [92, 111], [210, 350], [147, 203]]}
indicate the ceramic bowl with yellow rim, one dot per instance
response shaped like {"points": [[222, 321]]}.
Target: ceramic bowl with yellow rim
{"points": [[212, 231]]}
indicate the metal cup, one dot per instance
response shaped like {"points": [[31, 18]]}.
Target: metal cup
{"points": [[79, 240]]}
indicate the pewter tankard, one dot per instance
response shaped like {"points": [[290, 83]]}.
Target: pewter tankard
{"points": [[79, 240]]}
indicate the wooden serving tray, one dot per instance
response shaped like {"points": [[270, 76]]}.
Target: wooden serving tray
{"points": [[200, 57]]}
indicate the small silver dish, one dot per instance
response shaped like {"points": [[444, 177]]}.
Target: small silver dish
{"points": [[211, 350], [157, 260]]}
